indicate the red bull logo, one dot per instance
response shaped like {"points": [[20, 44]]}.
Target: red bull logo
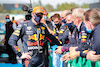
{"points": [[34, 37], [16, 47]]}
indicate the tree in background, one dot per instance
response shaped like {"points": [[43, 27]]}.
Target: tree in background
{"points": [[85, 6], [66, 6], [40, 3], [50, 8], [0, 8]]}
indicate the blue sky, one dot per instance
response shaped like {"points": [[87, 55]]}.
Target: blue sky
{"points": [[52, 2]]}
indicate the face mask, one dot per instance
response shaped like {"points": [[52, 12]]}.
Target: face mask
{"points": [[45, 18], [89, 31], [58, 25], [7, 20], [37, 19], [69, 25], [64, 21]]}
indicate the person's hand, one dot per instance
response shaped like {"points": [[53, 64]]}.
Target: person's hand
{"points": [[43, 20], [91, 55], [72, 48], [58, 50], [26, 55], [66, 57], [74, 54], [71, 55]]}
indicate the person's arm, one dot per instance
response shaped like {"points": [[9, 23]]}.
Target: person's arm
{"points": [[63, 48], [44, 22], [73, 54], [91, 55], [66, 47], [14, 26], [14, 38], [51, 32], [96, 41], [85, 42], [51, 38], [95, 45], [73, 51], [64, 34]]}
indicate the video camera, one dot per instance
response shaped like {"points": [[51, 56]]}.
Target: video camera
{"points": [[28, 9]]}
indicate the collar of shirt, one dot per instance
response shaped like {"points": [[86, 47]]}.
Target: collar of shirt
{"points": [[98, 26], [31, 22], [79, 26]]}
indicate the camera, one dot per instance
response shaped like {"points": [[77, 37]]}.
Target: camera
{"points": [[28, 9]]}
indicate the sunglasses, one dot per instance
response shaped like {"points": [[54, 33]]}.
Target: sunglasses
{"points": [[39, 14], [7, 18]]}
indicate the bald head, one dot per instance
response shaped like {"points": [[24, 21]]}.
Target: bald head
{"points": [[63, 14]]}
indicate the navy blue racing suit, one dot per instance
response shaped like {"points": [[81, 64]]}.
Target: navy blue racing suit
{"points": [[79, 38], [27, 31], [95, 39], [61, 33]]}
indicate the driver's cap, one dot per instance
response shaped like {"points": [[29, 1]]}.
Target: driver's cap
{"points": [[38, 9]]}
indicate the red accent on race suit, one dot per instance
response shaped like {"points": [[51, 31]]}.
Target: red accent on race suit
{"points": [[35, 43]]}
